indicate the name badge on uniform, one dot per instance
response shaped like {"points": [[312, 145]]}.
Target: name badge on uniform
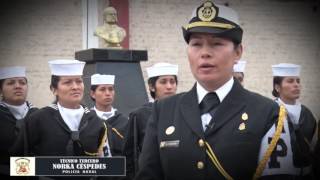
{"points": [[169, 144]]}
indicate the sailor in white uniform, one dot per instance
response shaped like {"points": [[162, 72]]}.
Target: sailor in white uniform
{"points": [[14, 108], [103, 93], [292, 155], [66, 127]]}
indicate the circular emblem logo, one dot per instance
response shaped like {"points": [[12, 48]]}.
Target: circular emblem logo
{"points": [[207, 12], [170, 130], [22, 166]]}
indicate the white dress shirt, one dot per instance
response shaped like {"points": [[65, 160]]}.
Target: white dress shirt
{"points": [[71, 117], [19, 112], [294, 111], [221, 92], [105, 115]]}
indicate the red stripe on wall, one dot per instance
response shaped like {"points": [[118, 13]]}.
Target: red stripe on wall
{"points": [[122, 7]]}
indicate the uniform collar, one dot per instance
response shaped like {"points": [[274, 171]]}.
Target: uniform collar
{"points": [[294, 110], [222, 92], [55, 107], [105, 114], [72, 117], [279, 100], [19, 112]]}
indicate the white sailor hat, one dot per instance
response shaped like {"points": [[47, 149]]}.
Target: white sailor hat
{"points": [[98, 79], [286, 69], [161, 69], [215, 19], [66, 67], [240, 66], [13, 71]]}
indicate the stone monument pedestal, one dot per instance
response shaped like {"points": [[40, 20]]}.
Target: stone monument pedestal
{"points": [[130, 91]]}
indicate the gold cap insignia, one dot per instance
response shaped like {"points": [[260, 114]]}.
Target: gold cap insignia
{"points": [[207, 12], [242, 126], [170, 130], [244, 116]]}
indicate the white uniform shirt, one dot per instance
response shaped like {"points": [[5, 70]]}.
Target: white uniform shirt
{"points": [[294, 111], [19, 112], [71, 117], [221, 93], [105, 116]]}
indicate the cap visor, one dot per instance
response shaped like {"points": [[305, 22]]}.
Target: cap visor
{"points": [[233, 34]]}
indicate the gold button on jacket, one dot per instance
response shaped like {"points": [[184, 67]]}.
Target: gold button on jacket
{"points": [[200, 165], [201, 143]]}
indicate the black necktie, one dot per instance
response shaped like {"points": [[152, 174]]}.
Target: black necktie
{"points": [[209, 102]]}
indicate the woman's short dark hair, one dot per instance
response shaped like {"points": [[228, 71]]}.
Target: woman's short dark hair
{"points": [[277, 80], [54, 84], [236, 44], [152, 82], [1, 83], [93, 88]]}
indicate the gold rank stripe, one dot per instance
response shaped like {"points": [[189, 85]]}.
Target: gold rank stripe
{"points": [[117, 132], [209, 24], [216, 162]]}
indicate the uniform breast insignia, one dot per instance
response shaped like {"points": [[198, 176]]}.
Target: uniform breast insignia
{"points": [[170, 130], [242, 126], [244, 116]]}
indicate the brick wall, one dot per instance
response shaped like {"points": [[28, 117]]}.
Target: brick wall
{"points": [[33, 32]]}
